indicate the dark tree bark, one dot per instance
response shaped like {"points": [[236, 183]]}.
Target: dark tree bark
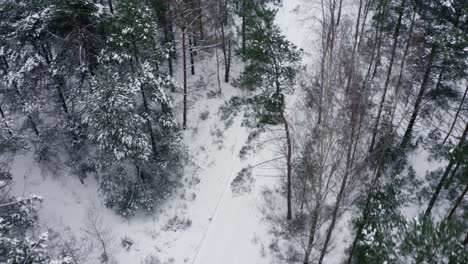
{"points": [[226, 54], [456, 116], [356, 36], [340, 195], [417, 105], [288, 165], [396, 33], [444, 176], [184, 63], [313, 229], [192, 55], [457, 202], [200, 20], [382, 12], [243, 24], [111, 6]]}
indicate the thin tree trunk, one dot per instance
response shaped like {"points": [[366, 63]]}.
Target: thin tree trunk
{"points": [[228, 64], [184, 60], [288, 164], [342, 188], [368, 205], [148, 121], [200, 20], [167, 40], [396, 33], [447, 184], [417, 105], [217, 72], [226, 54], [62, 98], [444, 176], [457, 203], [405, 53], [356, 36], [111, 6], [192, 55], [313, 229], [456, 116], [243, 24], [383, 6]]}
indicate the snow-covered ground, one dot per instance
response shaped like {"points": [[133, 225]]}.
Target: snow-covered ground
{"points": [[203, 222]]}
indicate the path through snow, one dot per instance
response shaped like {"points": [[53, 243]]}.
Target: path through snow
{"points": [[224, 229]]}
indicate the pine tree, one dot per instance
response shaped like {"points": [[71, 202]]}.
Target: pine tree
{"points": [[271, 64]]}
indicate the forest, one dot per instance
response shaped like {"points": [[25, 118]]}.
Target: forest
{"points": [[233, 131]]}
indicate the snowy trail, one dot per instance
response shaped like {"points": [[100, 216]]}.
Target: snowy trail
{"points": [[236, 228], [224, 229], [228, 238]]}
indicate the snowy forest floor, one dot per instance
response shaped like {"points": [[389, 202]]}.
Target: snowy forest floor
{"points": [[203, 222]]}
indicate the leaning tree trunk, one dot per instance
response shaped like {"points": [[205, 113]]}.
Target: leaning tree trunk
{"points": [[445, 175], [402, 65], [313, 229], [341, 193], [111, 6], [396, 33], [456, 116], [417, 105], [457, 203], [382, 7], [353, 56]]}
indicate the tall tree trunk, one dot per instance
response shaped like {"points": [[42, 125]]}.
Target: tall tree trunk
{"points": [[228, 64], [61, 96], [226, 54], [167, 40], [353, 56], [217, 72], [396, 33], [288, 165], [149, 123], [184, 63], [383, 6], [200, 20], [111, 6], [444, 176], [457, 202], [417, 105], [192, 55], [313, 229], [456, 116], [243, 23], [370, 194], [340, 195]]}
